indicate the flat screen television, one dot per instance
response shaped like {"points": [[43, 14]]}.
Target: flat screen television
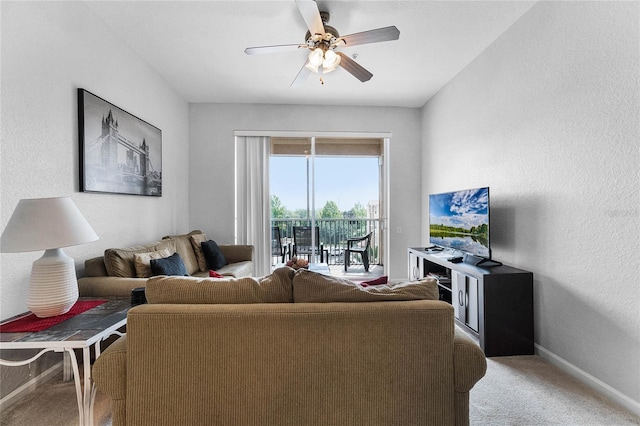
{"points": [[459, 220]]}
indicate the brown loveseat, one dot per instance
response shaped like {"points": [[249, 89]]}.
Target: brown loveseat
{"points": [[122, 269], [267, 351]]}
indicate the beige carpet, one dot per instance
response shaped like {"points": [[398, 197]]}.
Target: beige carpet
{"points": [[528, 390], [54, 404], [523, 390]]}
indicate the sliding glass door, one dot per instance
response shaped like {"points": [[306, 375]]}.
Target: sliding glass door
{"points": [[334, 184]]}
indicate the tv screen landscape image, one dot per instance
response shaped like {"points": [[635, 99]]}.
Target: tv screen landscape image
{"points": [[460, 220]]}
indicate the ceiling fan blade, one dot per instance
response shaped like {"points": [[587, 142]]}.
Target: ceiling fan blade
{"points": [[371, 36], [271, 49], [311, 15], [302, 75], [357, 70]]}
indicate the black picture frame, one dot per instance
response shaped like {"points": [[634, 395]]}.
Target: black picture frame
{"points": [[119, 152]]}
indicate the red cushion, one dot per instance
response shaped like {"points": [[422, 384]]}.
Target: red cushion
{"points": [[378, 281], [214, 274]]}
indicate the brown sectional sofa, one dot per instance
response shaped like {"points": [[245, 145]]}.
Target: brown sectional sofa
{"points": [[248, 352], [120, 269]]}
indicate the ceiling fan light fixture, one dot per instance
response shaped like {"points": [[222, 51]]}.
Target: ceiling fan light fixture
{"points": [[316, 56], [311, 67], [331, 61], [321, 39]]}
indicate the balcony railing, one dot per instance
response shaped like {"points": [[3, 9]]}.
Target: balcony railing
{"points": [[334, 234]]}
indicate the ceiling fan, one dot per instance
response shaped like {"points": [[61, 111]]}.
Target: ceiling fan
{"points": [[322, 40]]}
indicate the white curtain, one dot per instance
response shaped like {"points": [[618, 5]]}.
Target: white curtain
{"points": [[253, 206]]}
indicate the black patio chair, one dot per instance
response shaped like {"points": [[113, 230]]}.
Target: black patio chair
{"points": [[302, 243], [278, 249], [359, 246]]}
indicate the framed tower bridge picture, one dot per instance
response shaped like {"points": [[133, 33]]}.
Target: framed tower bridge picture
{"points": [[119, 153]]}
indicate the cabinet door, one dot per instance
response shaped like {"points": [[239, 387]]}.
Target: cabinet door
{"points": [[472, 303], [464, 299], [415, 267], [458, 289]]}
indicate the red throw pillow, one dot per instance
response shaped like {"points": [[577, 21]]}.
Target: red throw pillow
{"points": [[378, 281], [214, 274]]}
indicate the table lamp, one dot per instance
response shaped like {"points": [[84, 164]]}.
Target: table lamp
{"points": [[48, 224]]}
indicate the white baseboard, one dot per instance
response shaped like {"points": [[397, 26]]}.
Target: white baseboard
{"points": [[47, 376], [586, 378]]}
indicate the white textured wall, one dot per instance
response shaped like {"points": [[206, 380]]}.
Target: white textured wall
{"points": [[49, 49], [548, 117], [212, 161]]}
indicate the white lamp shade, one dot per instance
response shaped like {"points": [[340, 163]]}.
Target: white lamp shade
{"points": [[45, 223]]}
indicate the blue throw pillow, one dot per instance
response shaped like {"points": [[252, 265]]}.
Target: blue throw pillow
{"points": [[214, 257], [172, 265]]}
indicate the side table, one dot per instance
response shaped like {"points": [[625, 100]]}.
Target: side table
{"points": [[82, 331]]}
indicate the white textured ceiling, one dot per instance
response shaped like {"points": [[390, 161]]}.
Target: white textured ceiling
{"points": [[198, 47]]}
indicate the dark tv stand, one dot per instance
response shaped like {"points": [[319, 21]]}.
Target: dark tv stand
{"points": [[492, 304]]}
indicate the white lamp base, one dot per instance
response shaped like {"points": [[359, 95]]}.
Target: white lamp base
{"points": [[54, 288]]}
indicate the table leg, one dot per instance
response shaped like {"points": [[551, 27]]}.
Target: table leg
{"points": [[76, 376], [69, 357], [94, 389], [87, 409], [83, 393], [67, 371]]}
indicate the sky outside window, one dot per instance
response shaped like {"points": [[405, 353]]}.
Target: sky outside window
{"points": [[343, 180]]}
